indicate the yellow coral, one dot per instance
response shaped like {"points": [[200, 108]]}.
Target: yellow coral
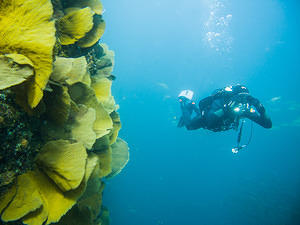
{"points": [[25, 28], [58, 105], [55, 203], [61, 68], [82, 94], [104, 152], [93, 36], [14, 69], [64, 163], [70, 70], [82, 128], [38, 200], [77, 216], [116, 127], [88, 119], [120, 157], [91, 200], [102, 88], [74, 25], [102, 143], [88, 206], [104, 217], [103, 124], [95, 5], [91, 167], [106, 62], [6, 197], [65, 176], [25, 201], [37, 217]]}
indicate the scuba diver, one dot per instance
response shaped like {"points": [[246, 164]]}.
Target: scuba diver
{"points": [[222, 110]]}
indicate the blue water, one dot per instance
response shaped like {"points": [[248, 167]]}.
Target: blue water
{"points": [[180, 177]]}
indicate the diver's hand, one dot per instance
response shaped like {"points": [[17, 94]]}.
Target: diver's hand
{"points": [[183, 101]]}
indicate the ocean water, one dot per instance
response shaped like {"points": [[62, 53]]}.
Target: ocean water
{"points": [[181, 177]]}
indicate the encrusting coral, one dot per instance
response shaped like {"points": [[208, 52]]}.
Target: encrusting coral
{"points": [[58, 118], [19, 139]]}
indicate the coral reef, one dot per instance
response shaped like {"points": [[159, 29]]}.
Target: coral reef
{"points": [[59, 123], [19, 142]]}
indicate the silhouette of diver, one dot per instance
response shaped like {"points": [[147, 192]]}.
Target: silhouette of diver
{"points": [[222, 110]]}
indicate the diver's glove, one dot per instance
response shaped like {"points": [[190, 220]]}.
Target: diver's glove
{"points": [[261, 109], [256, 103]]}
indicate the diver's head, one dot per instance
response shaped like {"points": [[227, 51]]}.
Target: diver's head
{"points": [[186, 94], [240, 89]]}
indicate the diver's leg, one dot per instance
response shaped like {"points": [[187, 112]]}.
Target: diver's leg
{"points": [[214, 116], [195, 123], [212, 120], [180, 122]]}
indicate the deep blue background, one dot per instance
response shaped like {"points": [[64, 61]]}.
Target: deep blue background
{"points": [[180, 177]]}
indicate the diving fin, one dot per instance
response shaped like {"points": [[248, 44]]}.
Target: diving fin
{"points": [[180, 122]]}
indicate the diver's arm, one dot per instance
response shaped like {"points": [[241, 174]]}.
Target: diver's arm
{"points": [[205, 102], [256, 103], [261, 119], [196, 109], [190, 124]]}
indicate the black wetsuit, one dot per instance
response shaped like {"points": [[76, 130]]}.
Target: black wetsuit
{"points": [[223, 109]]}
